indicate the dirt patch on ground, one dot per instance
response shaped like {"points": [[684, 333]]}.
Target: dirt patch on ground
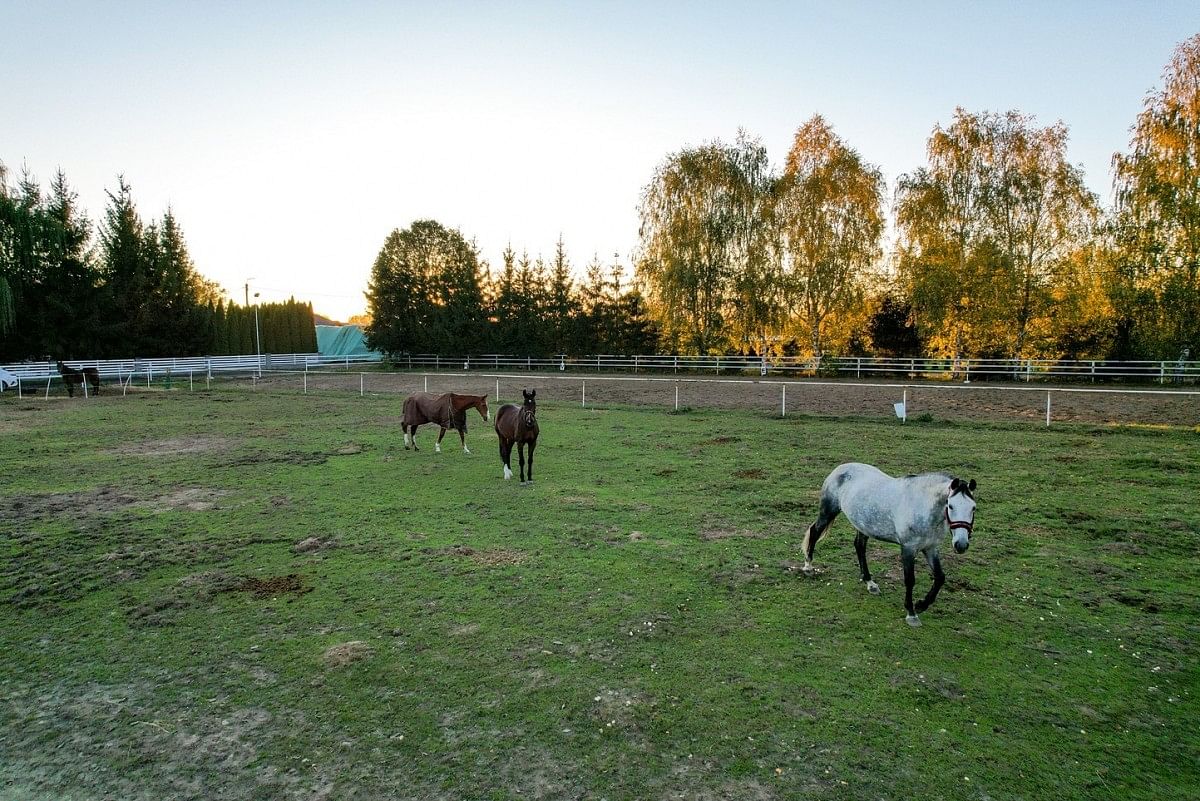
{"points": [[175, 445], [107, 500], [313, 544], [272, 586], [491, 557], [287, 457], [752, 473], [195, 499], [347, 653], [725, 440]]}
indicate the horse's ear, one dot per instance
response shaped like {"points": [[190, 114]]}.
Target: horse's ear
{"points": [[533, 393], [955, 485], [971, 485]]}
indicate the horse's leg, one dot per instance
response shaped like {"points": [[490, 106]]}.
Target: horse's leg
{"points": [[412, 436], [860, 547], [532, 445], [521, 456], [908, 560], [437, 446], [506, 457], [939, 578], [829, 510], [462, 436]]}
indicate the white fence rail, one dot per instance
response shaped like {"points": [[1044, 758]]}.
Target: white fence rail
{"points": [[1161, 372], [864, 367]]}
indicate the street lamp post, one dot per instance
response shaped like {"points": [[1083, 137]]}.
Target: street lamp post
{"points": [[257, 336]]}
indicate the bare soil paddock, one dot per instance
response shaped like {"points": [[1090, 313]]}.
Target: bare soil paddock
{"points": [[959, 402]]}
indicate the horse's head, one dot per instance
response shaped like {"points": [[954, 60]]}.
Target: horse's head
{"points": [[481, 406], [960, 513], [529, 408]]}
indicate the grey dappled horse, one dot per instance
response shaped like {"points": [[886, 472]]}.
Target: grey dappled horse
{"points": [[915, 512]]}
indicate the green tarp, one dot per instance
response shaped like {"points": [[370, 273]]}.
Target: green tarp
{"points": [[341, 340]]}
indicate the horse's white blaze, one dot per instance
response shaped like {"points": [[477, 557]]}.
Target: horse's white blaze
{"points": [[507, 473]]}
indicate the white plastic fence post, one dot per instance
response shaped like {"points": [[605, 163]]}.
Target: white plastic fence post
{"points": [[584, 401], [677, 397], [426, 383], [783, 402], [361, 378], [149, 374], [190, 387], [904, 405], [305, 382], [497, 395], [19, 395], [85, 389], [208, 380], [1047, 409], [47, 387], [125, 385]]}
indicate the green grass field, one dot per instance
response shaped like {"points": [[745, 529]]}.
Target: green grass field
{"points": [[630, 626]]}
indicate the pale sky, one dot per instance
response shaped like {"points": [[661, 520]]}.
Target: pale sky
{"points": [[291, 138]]}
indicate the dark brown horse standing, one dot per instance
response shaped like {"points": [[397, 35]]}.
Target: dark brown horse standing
{"points": [[74, 377], [518, 425], [448, 410]]}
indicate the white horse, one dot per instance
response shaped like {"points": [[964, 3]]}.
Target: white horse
{"points": [[915, 512]]}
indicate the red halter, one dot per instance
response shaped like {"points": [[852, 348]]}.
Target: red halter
{"points": [[958, 523]]}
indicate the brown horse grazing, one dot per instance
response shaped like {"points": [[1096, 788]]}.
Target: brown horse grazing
{"points": [[448, 410], [518, 425], [74, 377]]}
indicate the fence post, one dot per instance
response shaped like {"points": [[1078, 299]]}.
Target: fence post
{"points": [[305, 382], [718, 365], [19, 395], [497, 395], [676, 364], [783, 403], [676, 396], [1093, 372], [858, 367], [1162, 372], [584, 401], [208, 380], [1047, 410], [361, 377], [635, 364], [190, 387], [904, 406], [426, 383], [47, 387]]}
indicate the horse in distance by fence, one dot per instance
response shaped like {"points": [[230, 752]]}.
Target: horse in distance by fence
{"points": [[447, 410], [73, 377], [915, 512], [517, 425]]}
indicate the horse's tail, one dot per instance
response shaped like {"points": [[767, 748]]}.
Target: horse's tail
{"points": [[406, 414]]}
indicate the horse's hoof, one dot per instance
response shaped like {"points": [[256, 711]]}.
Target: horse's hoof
{"points": [[912, 620], [872, 588], [466, 450], [807, 569]]}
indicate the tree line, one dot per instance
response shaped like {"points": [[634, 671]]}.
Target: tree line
{"points": [[1000, 251], [431, 292], [127, 288]]}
